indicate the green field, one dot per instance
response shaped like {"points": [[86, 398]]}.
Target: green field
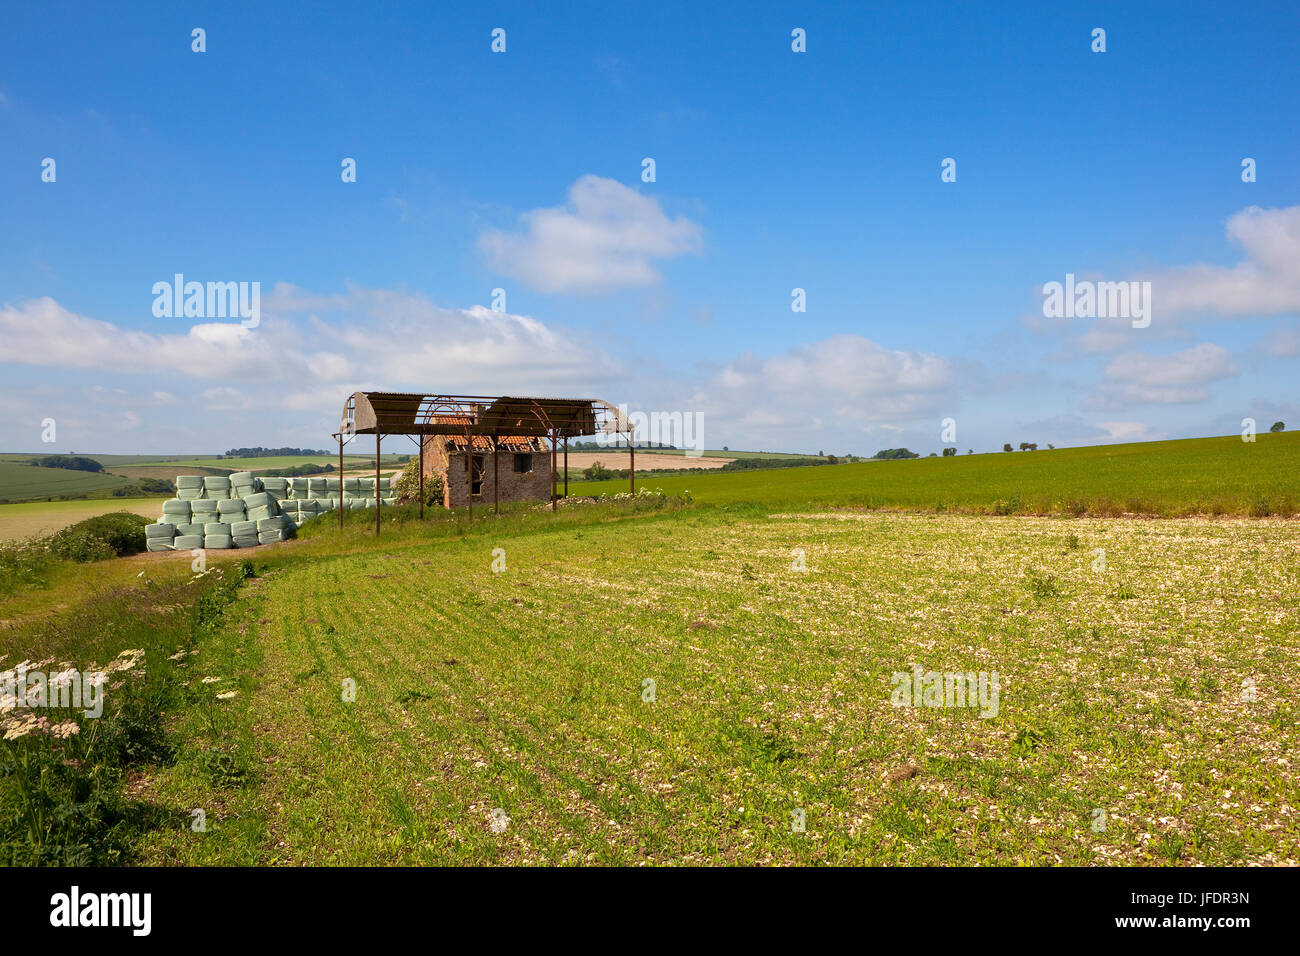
{"points": [[20, 482], [1146, 675], [29, 519], [1195, 476]]}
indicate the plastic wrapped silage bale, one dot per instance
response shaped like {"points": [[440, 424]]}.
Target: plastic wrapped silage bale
{"points": [[332, 486], [190, 530], [175, 511], [298, 487], [277, 523], [351, 486], [187, 542], [242, 484], [158, 536], [216, 542], [231, 510], [216, 486], [189, 487], [216, 528], [317, 488], [201, 506], [277, 488]]}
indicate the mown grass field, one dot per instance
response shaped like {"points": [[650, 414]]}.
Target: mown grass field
{"points": [[19, 482], [1176, 478], [1146, 672], [523, 691]]}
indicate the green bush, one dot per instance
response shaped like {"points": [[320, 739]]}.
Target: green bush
{"points": [[407, 486], [100, 537], [74, 462]]}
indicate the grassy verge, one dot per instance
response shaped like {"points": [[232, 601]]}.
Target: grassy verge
{"points": [[66, 773]]}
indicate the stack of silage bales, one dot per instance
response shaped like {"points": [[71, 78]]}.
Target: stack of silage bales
{"points": [[242, 511]]}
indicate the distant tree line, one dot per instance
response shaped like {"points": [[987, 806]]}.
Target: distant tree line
{"points": [[260, 452]]}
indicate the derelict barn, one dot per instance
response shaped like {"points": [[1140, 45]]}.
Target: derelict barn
{"points": [[486, 449]]}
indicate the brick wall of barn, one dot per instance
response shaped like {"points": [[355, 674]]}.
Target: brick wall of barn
{"points": [[450, 463]]}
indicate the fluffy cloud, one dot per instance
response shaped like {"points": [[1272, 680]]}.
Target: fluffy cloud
{"points": [[1135, 378], [385, 339], [608, 236], [310, 351], [845, 379], [1267, 282]]}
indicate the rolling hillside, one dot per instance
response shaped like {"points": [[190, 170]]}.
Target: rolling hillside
{"points": [[1192, 476]]}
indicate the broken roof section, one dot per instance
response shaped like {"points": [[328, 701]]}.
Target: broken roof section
{"points": [[494, 417]]}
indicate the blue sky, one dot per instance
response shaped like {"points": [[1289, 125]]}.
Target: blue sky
{"points": [[522, 171]]}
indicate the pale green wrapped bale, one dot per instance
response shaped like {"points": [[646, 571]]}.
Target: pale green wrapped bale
{"points": [[160, 530], [270, 537], [332, 486], [245, 541], [277, 523], [240, 529], [189, 529], [189, 481], [159, 544], [216, 528], [216, 487], [216, 542], [188, 542], [277, 488], [228, 506], [316, 487], [259, 499], [189, 494], [351, 486], [291, 505], [203, 506], [241, 477]]}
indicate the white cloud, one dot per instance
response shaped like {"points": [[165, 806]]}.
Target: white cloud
{"points": [[609, 236], [386, 339], [1267, 282], [1197, 365], [845, 379], [1129, 431], [1138, 378]]}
